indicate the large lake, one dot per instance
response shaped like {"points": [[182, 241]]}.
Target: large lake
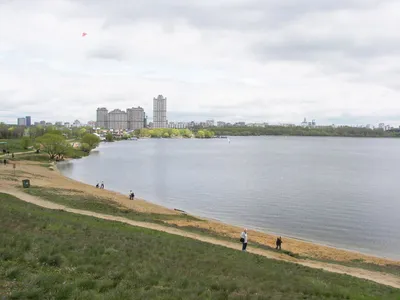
{"points": [[343, 192]]}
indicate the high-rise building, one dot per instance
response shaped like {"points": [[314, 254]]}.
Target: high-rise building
{"points": [[102, 118], [21, 122], [135, 116], [118, 120], [28, 121], [160, 112]]}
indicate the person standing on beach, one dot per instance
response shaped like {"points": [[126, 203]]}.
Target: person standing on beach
{"points": [[243, 239], [131, 195], [102, 185], [97, 185], [279, 243]]}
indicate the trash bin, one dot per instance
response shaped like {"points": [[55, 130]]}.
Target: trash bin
{"points": [[26, 183]]}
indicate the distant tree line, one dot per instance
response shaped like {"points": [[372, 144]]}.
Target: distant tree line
{"points": [[16, 132], [303, 131], [173, 133]]}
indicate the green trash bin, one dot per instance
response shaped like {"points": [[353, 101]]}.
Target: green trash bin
{"points": [[26, 183]]}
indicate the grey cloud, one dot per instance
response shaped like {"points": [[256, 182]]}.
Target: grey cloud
{"points": [[323, 48], [251, 14], [108, 53]]}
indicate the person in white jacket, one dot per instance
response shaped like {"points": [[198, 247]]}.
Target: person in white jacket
{"points": [[243, 239]]}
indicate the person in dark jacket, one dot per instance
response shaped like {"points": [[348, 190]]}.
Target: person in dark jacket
{"points": [[279, 243]]}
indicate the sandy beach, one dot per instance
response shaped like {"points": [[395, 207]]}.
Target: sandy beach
{"points": [[42, 176]]}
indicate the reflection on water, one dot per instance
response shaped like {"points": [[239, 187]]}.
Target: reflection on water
{"points": [[339, 191]]}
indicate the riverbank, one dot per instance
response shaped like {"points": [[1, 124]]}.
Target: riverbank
{"points": [[46, 176]]}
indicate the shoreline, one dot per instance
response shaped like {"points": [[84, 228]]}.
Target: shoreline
{"points": [[51, 177]]}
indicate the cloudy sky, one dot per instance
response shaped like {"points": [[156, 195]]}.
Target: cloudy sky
{"points": [[254, 60]]}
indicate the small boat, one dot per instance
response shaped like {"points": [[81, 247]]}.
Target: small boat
{"points": [[133, 139]]}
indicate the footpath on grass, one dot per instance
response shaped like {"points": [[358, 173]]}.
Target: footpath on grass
{"points": [[378, 277]]}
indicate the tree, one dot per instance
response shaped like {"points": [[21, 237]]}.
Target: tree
{"points": [[186, 133], [91, 140], [208, 134], [25, 142], [109, 137], [85, 147], [166, 135], [54, 145], [200, 134], [175, 132]]}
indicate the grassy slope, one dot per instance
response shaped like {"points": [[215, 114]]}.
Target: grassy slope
{"points": [[48, 254], [106, 206]]}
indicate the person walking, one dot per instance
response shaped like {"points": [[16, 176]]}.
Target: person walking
{"points": [[279, 243], [243, 239], [131, 195], [102, 185]]}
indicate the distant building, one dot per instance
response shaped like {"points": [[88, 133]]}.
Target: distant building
{"points": [[36, 123], [43, 123], [221, 124], [135, 118], [49, 124], [381, 125], [21, 122], [58, 123], [177, 125], [118, 120], [67, 124], [304, 123], [102, 118], [160, 112], [28, 121]]}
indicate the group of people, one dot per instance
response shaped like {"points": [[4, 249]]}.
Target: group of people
{"points": [[243, 240], [101, 186]]}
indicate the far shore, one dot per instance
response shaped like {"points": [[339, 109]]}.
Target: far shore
{"points": [[44, 176]]}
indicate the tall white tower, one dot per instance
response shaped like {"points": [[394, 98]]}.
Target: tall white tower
{"points": [[160, 112]]}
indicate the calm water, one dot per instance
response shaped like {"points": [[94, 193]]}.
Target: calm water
{"points": [[338, 191]]}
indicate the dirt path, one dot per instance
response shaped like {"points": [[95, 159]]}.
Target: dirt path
{"points": [[382, 278]]}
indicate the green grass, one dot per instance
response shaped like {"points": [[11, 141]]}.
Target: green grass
{"points": [[78, 200], [37, 157], [359, 263], [48, 254], [13, 145]]}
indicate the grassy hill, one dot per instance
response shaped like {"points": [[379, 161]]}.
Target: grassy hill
{"points": [[48, 254]]}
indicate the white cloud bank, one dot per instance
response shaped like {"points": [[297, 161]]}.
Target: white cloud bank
{"points": [[275, 61]]}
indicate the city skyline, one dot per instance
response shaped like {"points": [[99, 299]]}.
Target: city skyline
{"points": [[276, 63]]}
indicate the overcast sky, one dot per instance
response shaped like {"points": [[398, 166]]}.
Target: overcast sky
{"points": [[253, 60]]}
